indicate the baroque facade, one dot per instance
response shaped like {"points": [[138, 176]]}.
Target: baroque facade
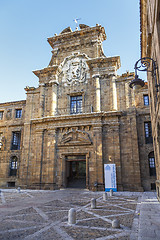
{"points": [[150, 47], [80, 117]]}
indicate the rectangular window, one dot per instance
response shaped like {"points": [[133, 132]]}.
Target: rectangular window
{"points": [[11, 184], [76, 104], [148, 132], [152, 166], [151, 162], [16, 139], [18, 113], [13, 166], [1, 134], [146, 100], [1, 115]]}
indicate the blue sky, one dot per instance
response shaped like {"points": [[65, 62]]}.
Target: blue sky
{"points": [[25, 26]]}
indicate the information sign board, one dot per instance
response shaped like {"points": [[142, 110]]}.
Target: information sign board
{"points": [[110, 177]]}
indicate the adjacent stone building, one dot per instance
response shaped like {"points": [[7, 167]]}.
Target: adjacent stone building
{"points": [[81, 116], [150, 47]]}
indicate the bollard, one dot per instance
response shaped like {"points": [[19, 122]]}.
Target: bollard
{"points": [[72, 216], [93, 203], [105, 196], [115, 223], [19, 189], [111, 193]]}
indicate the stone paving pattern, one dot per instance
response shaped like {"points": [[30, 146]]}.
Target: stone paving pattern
{"points": [[33, 214]]}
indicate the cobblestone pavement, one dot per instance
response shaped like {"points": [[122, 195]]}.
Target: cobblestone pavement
{"points": [[31, 214]]}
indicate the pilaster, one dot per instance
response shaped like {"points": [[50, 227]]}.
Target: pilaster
{"points": [[98, 92], [42, 99], [97, 161], [54, 97], [114, 92]]}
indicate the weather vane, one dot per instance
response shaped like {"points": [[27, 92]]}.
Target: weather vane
{"points": [[76, 22]]}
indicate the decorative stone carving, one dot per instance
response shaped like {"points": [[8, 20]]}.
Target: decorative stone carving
{"points": [[74, 69], [2, 143], [66, 30], [9, 114], [82, 26], [75, 137]]}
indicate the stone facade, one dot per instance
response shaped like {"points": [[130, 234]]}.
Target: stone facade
{"points": [[150, 47], [81, 116]]}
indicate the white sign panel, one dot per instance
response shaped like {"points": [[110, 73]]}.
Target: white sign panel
{"points": [[110, 177]]}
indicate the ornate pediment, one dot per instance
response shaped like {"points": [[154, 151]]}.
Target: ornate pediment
{"points": [[74, 69], [75, 137]]}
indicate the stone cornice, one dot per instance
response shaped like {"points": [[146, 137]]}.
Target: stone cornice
{"points": [[77, 116], [46, 71], [114, 61], [8, 125], [13, 103], [58, 39]]}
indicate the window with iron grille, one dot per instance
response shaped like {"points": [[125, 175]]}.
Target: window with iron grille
{"points": [[16, 138], [152, 167], [75, 104], [1, 115], [13, 166], [146, 100], [18, 113], [148, 132]]}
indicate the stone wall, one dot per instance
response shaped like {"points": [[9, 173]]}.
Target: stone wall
{"points": [[150, 47], [104, 126]]}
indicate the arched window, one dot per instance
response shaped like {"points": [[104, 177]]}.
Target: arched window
{"points": [[152, 167], [13, 166]]}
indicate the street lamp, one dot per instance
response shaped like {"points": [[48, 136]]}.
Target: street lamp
{"points": [[144, 65]]}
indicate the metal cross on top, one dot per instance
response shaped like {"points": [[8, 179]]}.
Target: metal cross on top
{"points": [[76, 22]]}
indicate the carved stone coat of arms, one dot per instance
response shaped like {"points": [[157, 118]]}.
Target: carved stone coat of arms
{"points": [[74, 70]]}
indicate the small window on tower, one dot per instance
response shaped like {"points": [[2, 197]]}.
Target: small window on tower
{"points": [[148, 132], [146, 100], [1, 115], [18, 113]]}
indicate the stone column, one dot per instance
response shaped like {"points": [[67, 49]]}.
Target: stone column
{"points": [[135, 176], [35, 159], [128, 95], [114, 152], [39, 158], [114, 92], [61, 167], [25, 157], [42, 99], [87, 171], [98, 92], [54, 98], [97, 161], [51, 154]]}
